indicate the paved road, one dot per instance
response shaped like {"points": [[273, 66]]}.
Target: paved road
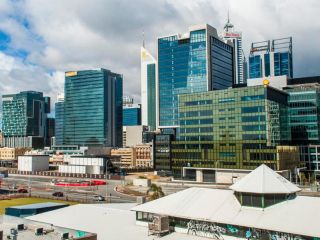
{"points": [[42, 187]]}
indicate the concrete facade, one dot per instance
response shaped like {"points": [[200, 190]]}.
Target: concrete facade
{"points": [[31, 163]]}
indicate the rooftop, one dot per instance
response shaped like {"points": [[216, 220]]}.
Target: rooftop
{"points": [[50, 232], [263, 180]]}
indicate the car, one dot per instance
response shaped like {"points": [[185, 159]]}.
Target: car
{"points": [[99, 198], [57, 194], [22, 190]]}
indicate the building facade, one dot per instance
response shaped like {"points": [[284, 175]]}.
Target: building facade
{"points": [[196, 61], [304, 112], [271, 58], [148, 89], [127, 156], [237, 128], [144, 156], [12, 153], [24, 114], [239, 59], [59, 110], [131, 115], [93, 108]]}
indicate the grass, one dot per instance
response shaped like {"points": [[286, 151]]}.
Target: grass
{"points": [[23, 201]]}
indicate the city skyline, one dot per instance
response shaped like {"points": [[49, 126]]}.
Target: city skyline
{"points": [[36, 48]]}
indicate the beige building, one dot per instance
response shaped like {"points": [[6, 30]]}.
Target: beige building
{"points": [[127, 156], [144, 156], [1, 139], [12, 153], [132, 135]]}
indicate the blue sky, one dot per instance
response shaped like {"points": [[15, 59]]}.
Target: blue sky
{"points": [[41, 39]]}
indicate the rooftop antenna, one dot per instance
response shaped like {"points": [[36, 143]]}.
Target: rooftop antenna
{"points": [[228, 25]]}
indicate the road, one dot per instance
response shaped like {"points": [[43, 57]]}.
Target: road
{"points": [[42, 187]]}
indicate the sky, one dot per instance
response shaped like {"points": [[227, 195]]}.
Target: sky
{"points": [[41, 39]]}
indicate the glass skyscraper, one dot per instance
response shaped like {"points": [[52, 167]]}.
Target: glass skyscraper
{"points": [[24, 114], [93, 108], [271, 58], [237, 128], [59, 110], [304, 112], [131, 115], [148, 89], [197, 61]]}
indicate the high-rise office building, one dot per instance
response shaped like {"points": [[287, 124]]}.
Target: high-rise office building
{"points": [[148, 89], [24, 114], [131, 115], [237, 128], [59, 110], [93, 108], [196, 61], [50, 131], [239, 59], [271, 58], [304, 112]]}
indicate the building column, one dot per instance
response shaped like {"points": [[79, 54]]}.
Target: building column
{"points": [[199, 175]]}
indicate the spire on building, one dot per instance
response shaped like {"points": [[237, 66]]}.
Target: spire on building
{"points": [[228, 25], [143, 42]]}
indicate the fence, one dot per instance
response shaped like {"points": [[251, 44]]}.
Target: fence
{"points": [[67, 175]]}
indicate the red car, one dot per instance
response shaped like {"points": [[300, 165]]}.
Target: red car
{"points": [[22, 190]]}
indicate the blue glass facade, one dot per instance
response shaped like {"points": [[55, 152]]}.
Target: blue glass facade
{"points": [[186, 65], [59, 108], [93, 108], [131, 116], [271, 58], [255, 70]]}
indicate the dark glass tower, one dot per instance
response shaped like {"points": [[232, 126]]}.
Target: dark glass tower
{"points": [[59, 108], [197, 61], [93, 108]]}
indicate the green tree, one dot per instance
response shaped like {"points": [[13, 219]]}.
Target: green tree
{"points": [[155, 192]]}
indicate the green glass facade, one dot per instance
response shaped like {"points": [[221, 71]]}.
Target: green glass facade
{"points": [[304, 113], [151, 85], [93, 108], [24, 114], [236, 128]]}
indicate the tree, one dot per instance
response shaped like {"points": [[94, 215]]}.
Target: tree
{"points": [[155, 192]]}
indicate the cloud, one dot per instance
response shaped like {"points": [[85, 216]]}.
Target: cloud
{"points": [[61, 35]]}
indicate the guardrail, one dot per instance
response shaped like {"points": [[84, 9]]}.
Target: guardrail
{"points": [[67, 175]]}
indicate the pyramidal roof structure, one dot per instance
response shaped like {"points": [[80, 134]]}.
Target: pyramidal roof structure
{"points": [[263, 180]]}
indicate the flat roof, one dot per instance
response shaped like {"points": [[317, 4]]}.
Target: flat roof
{"points": [[39, 205], [108, 221], [52, 232]]}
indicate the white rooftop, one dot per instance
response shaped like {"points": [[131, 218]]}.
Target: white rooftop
{"points": [[264, 180], [108, 221], [299, 216]]}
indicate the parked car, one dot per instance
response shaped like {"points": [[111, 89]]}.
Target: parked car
{"points": [[22, 190], [57, 194], [99, 198]]}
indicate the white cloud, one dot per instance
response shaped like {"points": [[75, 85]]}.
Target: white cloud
{"points": [[80, 34]]}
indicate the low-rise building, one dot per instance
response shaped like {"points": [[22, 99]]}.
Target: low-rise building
{"points": [[32, 163], [85, 165], [144, 156], [12, 154], [262, 205], [127, 156]]}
